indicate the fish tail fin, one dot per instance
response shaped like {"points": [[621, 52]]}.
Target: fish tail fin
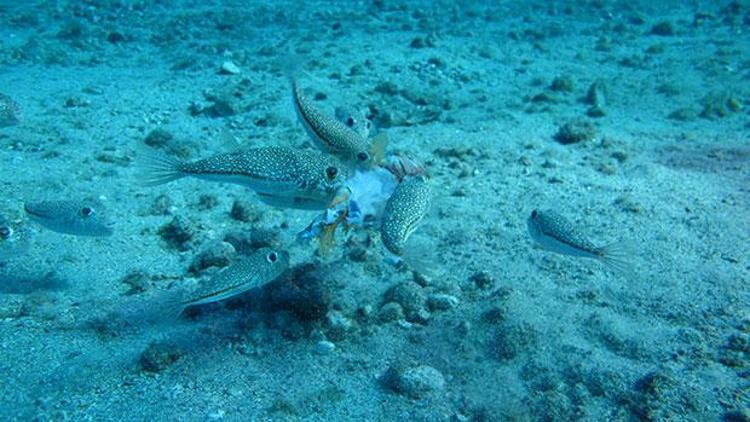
{"points": [[618, 257], [291, 66], [420, 255], [157, 168], [378, 146]]}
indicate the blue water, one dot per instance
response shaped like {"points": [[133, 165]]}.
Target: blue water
{"points": [[414, 289]]}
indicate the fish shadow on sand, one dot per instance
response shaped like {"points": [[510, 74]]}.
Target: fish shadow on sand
{"points": [[28, 283]]}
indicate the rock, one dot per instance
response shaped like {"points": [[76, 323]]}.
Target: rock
{"points": [[512, 340], [207, 202], [229, 68], [717, 105], [12, 306], [217, 254], [596, 97], [337, 325], [159, 356], [415, 382], [138, 282], [244, 211], [391, 311], [411, 298], [562, 84], [305, 290], [575, 132], [249, 241], [158, 138], [483, 279], [324, 347], [178, 233], [737, 415], [442, 302], [664, 29]]}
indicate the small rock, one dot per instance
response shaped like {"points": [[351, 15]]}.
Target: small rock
{"points": [[158, 138], [562, 84], [217, 254], [229, 68], [159, 356], [206, 202], [244, 211], [442, 302], [737, 415], [391, 311], [664, 29], [415, 382], [178, 233], [324, 347], [138, 282], [512, 339], [411, 298], [248, 241], [483, 279], [574, 132], [74, 102]]}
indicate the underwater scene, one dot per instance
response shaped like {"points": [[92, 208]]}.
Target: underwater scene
{"points": [[375, 210]]}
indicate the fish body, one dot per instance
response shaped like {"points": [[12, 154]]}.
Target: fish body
{"points": [[336, 137], [261, 267], [10, 111], [76, 217], [555, 233], [404, 210], [278, 174]]}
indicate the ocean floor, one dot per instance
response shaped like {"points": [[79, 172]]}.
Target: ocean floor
{"points": [[630, 119]]}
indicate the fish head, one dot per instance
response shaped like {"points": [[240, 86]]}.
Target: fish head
{"points": [[354, 119], [534, 224], [76, 217], [330, 179], [272, 262]]}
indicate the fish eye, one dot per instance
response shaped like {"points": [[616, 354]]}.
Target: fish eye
{"points": [[363, 156], [5, 232], [272, 257], [350, 121], [87, 212], [331, 172], [534, 214]]}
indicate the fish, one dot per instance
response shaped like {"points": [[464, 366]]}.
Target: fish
{"points": [[10, 111], [355, 119], [13, 239], [255, 270], [555, 233], [288, 177], [335, 137], [404, 210], [75, 217]]}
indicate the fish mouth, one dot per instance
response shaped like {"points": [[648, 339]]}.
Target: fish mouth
{"points": [[31, 211]]}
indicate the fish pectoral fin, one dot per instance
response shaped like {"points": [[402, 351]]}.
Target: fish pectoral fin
{"points": [[378, 145]]}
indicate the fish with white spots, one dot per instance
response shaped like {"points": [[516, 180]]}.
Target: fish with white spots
{"points": [[555, 233], [75, 217]]}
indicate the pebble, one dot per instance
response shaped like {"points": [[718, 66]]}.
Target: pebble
{"points": [[158, 357], [415, 382], [217, 254], [178, 233], [324, 347], [229, 68], [442, 302], [391, 311]]}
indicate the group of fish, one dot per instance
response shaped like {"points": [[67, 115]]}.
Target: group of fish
{"points": [[348, 180]]}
